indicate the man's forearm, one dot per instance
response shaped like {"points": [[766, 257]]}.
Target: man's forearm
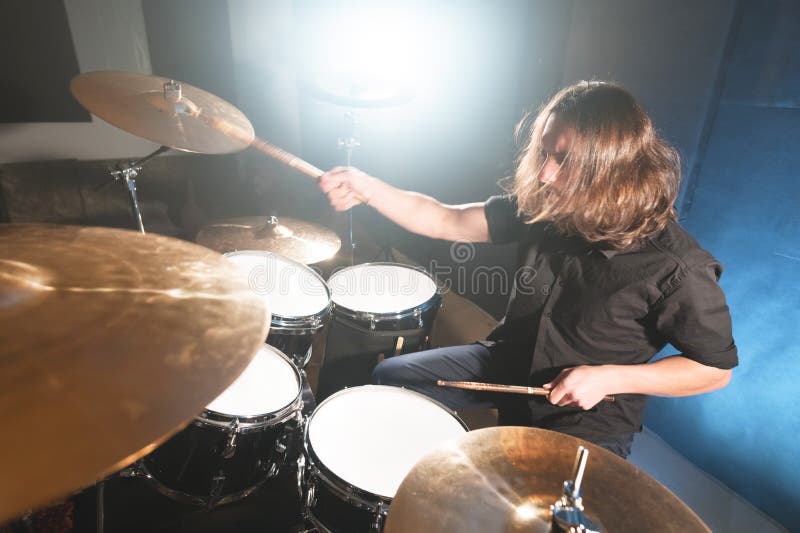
{"points": [[423, 214], [672, 376]]}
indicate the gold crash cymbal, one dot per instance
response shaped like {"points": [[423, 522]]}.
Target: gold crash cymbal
{"points": [[110, 341], [504, 479], [192, 119], [296, 239]]}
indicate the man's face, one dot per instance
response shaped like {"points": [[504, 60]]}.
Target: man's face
{"points": [[557, 138]]}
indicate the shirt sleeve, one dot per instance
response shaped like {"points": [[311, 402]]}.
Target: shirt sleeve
{"points": [[695, 319], [505, 224]]}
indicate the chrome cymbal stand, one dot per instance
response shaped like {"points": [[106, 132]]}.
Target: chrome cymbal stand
{"points": [[349, 144], [127, 173], [568, 512]]}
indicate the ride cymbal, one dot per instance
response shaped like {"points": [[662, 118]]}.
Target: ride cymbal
{"points": [[504, 479], [164, 111], [110, 341], [296, 239]]}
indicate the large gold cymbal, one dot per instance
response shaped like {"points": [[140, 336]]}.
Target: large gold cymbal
{"points": [[504, 479], [296, 239], [136, 103], [110, 341]]}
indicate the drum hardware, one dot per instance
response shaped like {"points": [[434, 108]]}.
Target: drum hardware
{"points": [[568, 512], [230, 447], [128, 283], [216, 488], [127, 173], [349, 144], [504, 479]]}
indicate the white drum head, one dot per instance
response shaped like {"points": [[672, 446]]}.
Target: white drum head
{"points": [[293, 289], [268, 384], [371, 436], [381, 288]]}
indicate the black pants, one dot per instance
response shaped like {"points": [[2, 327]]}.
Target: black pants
{"points": [[474, 362]]}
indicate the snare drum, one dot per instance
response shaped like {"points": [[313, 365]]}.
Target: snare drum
{"points": [[298, 297], [379, 310], [359, 444], [240, 440]]}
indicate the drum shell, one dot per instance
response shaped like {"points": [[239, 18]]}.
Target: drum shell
{"points": [[185, 467], [295, 343], [416, 321], [353, 349], [333, 509], [199, 466]]}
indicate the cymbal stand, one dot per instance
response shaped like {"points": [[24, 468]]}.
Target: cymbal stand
{"points": [[568, 512], [349, 144], [128, 172]]}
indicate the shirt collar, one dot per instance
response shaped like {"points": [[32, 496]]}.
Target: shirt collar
{"points": [[608, 252]]}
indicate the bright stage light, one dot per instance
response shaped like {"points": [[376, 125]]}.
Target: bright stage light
{"points": [[376, 53]]}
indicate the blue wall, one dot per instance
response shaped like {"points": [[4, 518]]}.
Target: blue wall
{"points": [[746, 211]]}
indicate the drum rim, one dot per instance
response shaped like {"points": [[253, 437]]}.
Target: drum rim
{"points": [[313, 321], [329, 477], [218, 419], [370, 316]]}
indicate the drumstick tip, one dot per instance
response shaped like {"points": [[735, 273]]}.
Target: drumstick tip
{"points": [[440, 382]]}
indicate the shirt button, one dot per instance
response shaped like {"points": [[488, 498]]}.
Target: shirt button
{"points": [[548, 314]]}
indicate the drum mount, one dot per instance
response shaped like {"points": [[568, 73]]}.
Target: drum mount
{"points": [[128, 172]]}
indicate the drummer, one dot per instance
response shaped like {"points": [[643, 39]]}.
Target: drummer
{"points": [[606, 276]]}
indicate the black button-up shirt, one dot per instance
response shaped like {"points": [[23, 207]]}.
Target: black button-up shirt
{"points": [[574, 304]]}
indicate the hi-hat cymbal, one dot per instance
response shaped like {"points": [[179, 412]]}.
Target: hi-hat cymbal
{"points": [[296, 239], [110, 341], [504, 479], [138, 103]]}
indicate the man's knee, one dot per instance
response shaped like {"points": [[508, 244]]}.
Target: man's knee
{"points": [[391, 371]]}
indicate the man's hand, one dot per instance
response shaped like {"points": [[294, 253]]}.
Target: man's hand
{"points": [[580, 386], [346, 187]]}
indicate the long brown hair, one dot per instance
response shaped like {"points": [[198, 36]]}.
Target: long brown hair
{"points": [[619, 180]]}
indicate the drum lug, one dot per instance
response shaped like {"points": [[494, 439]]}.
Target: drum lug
{"points": [[372, 322], [311, 492], [216, 488], [418, 316], [135, 470], [301, 475], [230, 447], [377, 522]]}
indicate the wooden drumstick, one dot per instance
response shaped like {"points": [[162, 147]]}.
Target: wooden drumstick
{"points": [[261, 145], [286, 158], [496, 387]]}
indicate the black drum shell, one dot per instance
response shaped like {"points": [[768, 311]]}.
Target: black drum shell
{"points": [[333, 511], [189, 461], [196, 465], [296, 346]]}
